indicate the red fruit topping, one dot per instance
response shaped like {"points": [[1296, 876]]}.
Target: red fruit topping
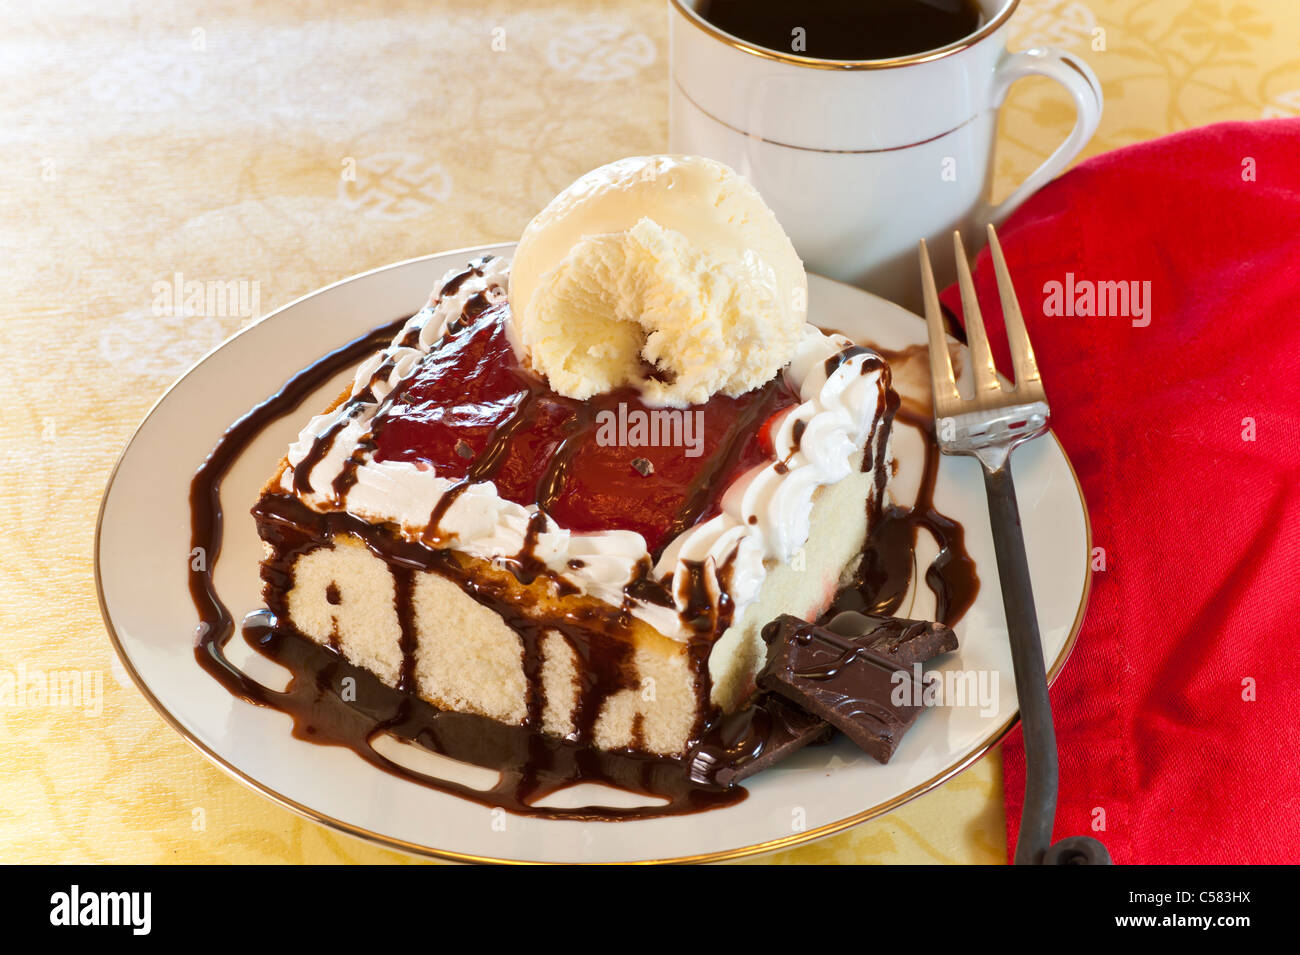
{"points": [[607, 463], [767, 432]]}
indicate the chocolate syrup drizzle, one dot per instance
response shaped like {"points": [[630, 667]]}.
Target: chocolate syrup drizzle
{"points": [[531, 764], [884, 575], [483, 468]]}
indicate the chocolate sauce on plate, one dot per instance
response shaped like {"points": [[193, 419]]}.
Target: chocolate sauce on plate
{"points": [[531, 764]]}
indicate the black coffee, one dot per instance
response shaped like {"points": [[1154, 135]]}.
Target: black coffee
{"points": [[845, 29]]}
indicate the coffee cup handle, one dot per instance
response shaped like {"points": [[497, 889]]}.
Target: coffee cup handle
{"points": [[1084, 88]]}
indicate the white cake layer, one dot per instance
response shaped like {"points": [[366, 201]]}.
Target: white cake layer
{"points": [[469, 660]]}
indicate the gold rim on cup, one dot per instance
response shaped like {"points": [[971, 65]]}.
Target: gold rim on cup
{"points": [[812, 62]]}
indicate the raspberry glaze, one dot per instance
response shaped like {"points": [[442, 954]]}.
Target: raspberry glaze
{"points": [[472, 413]]}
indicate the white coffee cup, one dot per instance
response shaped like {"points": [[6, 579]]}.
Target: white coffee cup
{"points": [[860, 159]]}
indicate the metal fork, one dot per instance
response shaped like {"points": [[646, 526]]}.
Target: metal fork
{"points": [[989, 426]]}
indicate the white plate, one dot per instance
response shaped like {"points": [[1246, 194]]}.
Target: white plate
{"points": [[141, 553]]}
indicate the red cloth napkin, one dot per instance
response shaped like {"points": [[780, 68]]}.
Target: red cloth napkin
{"points": [[1177, 714]]}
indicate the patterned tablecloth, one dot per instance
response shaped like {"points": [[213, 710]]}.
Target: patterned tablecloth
{"points": [[287, 145]]}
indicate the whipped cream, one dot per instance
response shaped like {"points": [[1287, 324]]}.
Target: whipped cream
{"points": [[765, 516]]}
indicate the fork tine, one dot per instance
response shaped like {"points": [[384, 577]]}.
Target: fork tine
{"points": [[942, 382], [986, 373], [1028, 380]]}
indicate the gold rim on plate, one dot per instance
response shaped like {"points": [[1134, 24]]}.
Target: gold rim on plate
{"points": [[391, 842]]}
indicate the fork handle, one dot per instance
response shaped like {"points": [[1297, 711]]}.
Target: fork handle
{"points": [[1039, 813]]}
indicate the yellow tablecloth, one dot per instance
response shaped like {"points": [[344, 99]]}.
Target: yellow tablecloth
{"points": [[290, 145]]}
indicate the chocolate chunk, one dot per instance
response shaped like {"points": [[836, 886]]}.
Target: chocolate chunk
{"points": [[770, 727], [903, 641], [740, 744], [843, 681]]}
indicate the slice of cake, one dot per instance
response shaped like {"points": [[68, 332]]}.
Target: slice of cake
{"points": [[571, 498]]}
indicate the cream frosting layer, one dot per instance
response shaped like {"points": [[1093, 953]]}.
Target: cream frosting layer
{"points": [[765, 516]]}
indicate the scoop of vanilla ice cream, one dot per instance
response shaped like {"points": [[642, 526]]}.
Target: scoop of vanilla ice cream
{"points": [[666, 273]]}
